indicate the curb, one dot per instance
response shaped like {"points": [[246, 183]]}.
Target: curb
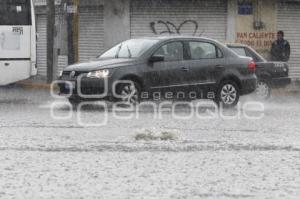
{"points": [[281, 92], [34, 85], [45, 86]]}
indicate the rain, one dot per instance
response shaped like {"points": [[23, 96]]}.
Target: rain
{"points": [[148, 140]]}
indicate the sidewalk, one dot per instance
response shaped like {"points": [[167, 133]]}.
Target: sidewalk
{"points": [[34, 84], [293, 88]]}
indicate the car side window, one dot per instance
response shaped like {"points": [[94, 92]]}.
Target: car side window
{"points": [[239, 50], [220, 53], [172, 51], [204, 50]]}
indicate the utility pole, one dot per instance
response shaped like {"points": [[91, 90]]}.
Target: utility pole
{"points": [[50, 39], [75, 30], [72, 24]]}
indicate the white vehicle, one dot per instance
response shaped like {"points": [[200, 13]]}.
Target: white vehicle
{"points": [[17, 41]]}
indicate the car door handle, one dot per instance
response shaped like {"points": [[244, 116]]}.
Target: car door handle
{"points": [[219, 66], [6, 64], [185, 68]]}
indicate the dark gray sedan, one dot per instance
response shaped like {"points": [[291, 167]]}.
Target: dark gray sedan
{"points": [[172, 68]]}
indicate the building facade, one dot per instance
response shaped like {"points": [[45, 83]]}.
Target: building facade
{"points": [[103, 23]]}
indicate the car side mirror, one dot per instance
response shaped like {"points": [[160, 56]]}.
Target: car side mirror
{"points": [[156, 58]]}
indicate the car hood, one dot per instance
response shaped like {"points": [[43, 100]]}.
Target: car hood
{"points": [[100, 64]]}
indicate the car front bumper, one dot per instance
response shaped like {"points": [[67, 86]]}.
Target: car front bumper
{"points": [[85, 88]]}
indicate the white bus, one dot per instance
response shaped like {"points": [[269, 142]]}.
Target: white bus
{"points": [[17, 41]]}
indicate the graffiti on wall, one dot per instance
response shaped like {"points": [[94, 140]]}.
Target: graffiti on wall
{"points": [[187, 27]]}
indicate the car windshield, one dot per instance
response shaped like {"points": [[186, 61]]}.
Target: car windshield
{"points": [[132, 48]]}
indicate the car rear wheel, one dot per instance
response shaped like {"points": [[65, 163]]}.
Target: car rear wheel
{"points": [[228, 94], [263, 90]]}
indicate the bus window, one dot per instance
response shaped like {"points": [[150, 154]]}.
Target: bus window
{"points": [[15, 12]]}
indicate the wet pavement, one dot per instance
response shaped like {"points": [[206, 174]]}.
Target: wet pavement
{"points": [[70, 157]]}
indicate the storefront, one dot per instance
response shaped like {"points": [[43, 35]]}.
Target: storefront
{"points": [[288, 20], [90, 37], [41, 26], [103, 23], [91, 32], [42, 44]]}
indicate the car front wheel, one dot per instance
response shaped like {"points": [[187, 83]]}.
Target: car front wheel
{"points": [[129, 93], [228, 94]]}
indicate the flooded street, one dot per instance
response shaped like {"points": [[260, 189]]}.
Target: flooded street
{"points": [[43, 157], [238, 62]]}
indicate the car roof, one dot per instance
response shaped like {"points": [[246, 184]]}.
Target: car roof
{"points": [[220, 44], [236, 45], [165, 38]]}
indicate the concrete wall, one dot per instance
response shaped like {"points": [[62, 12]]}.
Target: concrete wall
{"points": [[116, 21]]}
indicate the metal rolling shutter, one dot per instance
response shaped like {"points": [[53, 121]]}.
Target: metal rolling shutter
{"points": [[288, 20], [91, 32], [42, 45], [188, 17]]}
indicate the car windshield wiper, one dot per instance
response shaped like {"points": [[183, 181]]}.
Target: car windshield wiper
{"points": [[118, 51], [129, 52]]}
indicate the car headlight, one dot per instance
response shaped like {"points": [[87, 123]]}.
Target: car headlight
{"points": [[99, 74]]}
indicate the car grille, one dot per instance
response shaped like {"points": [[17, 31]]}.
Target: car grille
{"points": [[77, 73]]}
